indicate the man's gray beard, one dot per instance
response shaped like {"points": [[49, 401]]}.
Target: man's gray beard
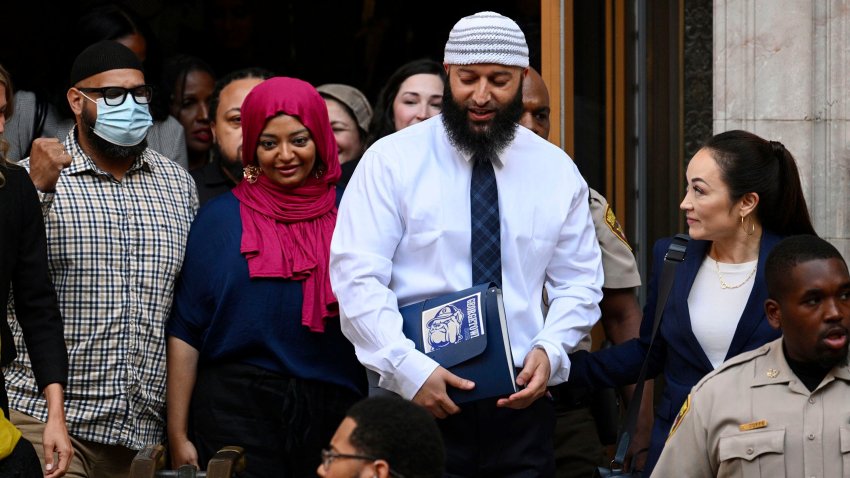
{"points": [[104, 147], [485, 144]]}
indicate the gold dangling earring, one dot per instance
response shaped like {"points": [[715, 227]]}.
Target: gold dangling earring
{"points": [[251, 173]]}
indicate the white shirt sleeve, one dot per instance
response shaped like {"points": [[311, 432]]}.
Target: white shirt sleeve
{"points": [[573, 282], [368, 230]]}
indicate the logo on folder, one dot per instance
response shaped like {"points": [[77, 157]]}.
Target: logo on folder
{"points": [[452, 323]]}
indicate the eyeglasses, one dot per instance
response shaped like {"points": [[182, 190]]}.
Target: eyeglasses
{"points": [[328, 456], [115, 95]]}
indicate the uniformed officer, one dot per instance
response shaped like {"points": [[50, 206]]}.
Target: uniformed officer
{"points": [[578, 448], [780, 410]]}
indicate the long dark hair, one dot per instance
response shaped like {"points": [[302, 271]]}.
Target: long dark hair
{"points": [[383, 121], [6, 81], [749, 163]]}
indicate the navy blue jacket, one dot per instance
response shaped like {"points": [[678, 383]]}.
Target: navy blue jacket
{"points": [[676, 351], [231, 318]]}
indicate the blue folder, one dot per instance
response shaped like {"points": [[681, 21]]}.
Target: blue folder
{"points": [[466, 333]]}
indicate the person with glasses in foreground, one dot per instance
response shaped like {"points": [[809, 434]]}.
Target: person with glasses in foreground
{"points": [[117, 216], [384, 437]]}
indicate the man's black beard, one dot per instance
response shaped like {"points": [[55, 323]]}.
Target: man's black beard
{"points": [[104, 147], [493, 139], [232, 170], [828, 358]]}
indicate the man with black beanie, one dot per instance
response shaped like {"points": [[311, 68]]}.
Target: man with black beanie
{"points": [[117, 216]]}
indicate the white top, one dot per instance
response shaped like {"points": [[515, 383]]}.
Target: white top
{"points": [[715, 311], [403, 235]]}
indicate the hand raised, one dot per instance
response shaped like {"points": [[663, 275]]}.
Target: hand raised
{"points": [[47, 159]]}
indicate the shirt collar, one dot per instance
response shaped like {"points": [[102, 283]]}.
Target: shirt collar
{"points": [[82, 162]]}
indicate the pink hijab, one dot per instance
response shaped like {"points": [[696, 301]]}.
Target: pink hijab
{"points": [[286, 232]]}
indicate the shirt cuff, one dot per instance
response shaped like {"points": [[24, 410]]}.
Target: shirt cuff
{"points": [[559, 371], [46, 200], [409, 374]]}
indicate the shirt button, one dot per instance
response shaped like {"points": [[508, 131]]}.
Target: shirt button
{"points": [[811, 400], [749, 451], [811, 436]]}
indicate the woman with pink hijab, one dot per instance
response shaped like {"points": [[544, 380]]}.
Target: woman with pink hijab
{"points": [[255, 354]]}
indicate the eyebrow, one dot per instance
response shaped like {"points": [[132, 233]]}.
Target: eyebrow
{"points": [[494, 73], [699, 180]]}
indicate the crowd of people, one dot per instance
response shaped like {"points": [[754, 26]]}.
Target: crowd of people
{"points": [[220, 261]]}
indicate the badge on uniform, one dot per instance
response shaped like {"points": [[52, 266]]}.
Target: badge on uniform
{"points": [[614, 225], [745, 427], [682, 412]]}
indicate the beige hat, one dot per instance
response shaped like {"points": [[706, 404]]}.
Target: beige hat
{"points": [[351, 97]]}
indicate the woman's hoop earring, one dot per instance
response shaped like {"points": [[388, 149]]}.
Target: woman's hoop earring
{"points": [[752, 226], [251, 173]]}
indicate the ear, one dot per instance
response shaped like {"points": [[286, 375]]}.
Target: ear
{"points": [[525, 72], [774, 313], [381, 469], [748, 203], [75, 100], [446, 66]]}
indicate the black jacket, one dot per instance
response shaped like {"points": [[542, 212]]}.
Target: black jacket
{"points": [[23, 266]]}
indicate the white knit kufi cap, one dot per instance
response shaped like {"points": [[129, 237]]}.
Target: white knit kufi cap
{"points": [[486, 37]]}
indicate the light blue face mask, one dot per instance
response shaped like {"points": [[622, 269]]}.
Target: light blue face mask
{"points": [[126, 124]]}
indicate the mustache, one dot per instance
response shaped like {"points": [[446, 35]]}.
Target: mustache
{"points": [[834, 330]]}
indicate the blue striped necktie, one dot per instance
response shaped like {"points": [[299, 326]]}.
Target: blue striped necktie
{"points": [[484, 212]]}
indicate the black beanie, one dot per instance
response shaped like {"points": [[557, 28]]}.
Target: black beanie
{"points": [[103, 56]]}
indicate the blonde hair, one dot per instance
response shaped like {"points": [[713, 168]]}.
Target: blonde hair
{"points": [[6, 81]]}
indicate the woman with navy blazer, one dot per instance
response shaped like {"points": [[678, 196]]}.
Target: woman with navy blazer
{"points": [[743, 194]]}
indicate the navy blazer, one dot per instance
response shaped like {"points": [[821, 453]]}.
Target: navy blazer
{"points": [[677, 351]]}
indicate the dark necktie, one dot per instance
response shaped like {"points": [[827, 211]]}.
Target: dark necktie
{"points": [[484, 211]]}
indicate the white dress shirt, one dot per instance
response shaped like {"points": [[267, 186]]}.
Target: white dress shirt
{"points": [[403, 235]]}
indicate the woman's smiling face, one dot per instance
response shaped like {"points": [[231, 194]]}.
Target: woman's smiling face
{"points": [[286, 152]]}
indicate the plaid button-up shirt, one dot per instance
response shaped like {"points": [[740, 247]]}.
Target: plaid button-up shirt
{"points": [[115, 249]]}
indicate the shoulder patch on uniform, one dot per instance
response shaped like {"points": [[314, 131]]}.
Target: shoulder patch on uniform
{"points": [[686, 407], [614, 225]]}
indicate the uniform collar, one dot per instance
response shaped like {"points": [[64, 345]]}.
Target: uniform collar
{"points": [[774, 369]]}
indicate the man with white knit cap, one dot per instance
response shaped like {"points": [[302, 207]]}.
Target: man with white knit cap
{"points": [[464, 198]]}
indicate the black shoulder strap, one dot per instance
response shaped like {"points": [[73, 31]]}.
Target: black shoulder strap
{"points": [[675, 255]]}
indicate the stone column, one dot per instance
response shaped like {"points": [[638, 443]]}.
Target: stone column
{"points": [[782, 71]]}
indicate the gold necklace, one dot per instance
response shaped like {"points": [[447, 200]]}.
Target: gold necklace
{"points": [[724, 285]]}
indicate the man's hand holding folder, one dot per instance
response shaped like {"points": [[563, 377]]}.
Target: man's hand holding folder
{"points": [[432, 395], [533, 377]]}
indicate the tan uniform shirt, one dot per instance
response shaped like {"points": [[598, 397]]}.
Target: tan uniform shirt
{"points": [[618, 261], [752, 417]]}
